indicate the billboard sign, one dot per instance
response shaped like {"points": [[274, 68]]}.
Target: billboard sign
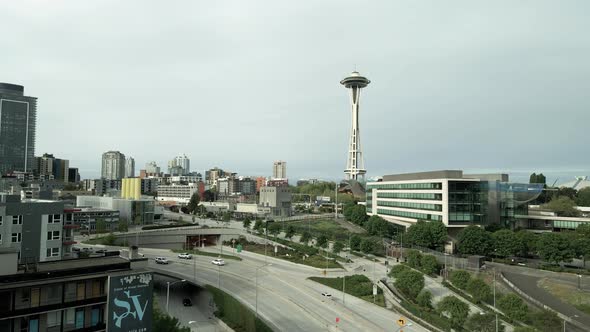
{"points": [[130, 303]]}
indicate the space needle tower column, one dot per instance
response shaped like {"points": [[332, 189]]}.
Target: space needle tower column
{"points": [[355, 165]]}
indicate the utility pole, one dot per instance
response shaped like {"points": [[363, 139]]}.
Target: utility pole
{"points": [[336, 200], [494, 271]]}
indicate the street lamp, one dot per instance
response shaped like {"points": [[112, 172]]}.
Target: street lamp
{"points": [[168, 291], [258, 268]]}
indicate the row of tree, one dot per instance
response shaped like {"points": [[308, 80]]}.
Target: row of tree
{"points": [[580, 198], [551, 247]]}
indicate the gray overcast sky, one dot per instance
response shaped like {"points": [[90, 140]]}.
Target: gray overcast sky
{"points": [[498, 85]]}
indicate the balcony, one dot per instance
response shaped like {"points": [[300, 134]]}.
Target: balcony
{"points": [[71, 226], [68, 240]]}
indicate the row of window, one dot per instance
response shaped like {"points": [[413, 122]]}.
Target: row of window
{"points": [[421, 216], [425, 196], [421, 186], [462, 217], [411, 205], [18, 220]]}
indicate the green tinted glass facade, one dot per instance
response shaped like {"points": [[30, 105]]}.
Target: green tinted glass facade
{"points": [[406, 214], [467, 202], [411, 205], [423, 196]]}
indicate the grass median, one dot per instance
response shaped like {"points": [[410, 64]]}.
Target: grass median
{"points": [[207, 253], [356, 285]]}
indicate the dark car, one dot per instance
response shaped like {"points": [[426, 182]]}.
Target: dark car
{"points": [[187, 302]]}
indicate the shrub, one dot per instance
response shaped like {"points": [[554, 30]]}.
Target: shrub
{"points": [[513, 307], [480, 291], [410, 283], [429, 265], [460, 278], [456, 309], [424, 299], [483, 323], [396, 270], [414, 258]]}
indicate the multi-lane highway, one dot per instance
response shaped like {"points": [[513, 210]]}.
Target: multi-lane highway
{"points": [[286, 298]]}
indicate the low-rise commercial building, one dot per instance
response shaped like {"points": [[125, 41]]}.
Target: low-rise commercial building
{"points": [[180, 193], [88, 219], [135, 211], [451, 197], [278, 199]]}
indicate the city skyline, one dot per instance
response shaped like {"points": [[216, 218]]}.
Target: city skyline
{"points": [[438, 93]]}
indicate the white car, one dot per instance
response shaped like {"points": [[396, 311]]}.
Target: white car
{"points": [[185, 256], [162, 260], [218, 261]]}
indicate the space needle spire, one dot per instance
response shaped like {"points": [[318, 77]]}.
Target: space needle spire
{"points": [[355, 165]]}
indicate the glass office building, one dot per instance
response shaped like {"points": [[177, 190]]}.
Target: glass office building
{"points": [[18, 116], [451, 197]]}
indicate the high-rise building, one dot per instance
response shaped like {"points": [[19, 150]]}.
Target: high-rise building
{"points": [[50, 168], [152, 168], [129, 167], [113, 165], [73, 175], [355, 165], [18, 119], [180, 165], [279, 170], [212, 175]]}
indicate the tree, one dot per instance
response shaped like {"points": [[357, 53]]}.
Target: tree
{"points": [[122, 226], [455, 309], [429, 265], [480, 291], [546, 321], [355, 242], [347, 211], [460, 278], [528, 242], [258, 226], [483, 323], [322, 241], [428, 234], [226, 216], [305, 237], [337, 247], [474, 240], [524, 329], [414, 258], [193, 204], [274, 229], [555, 248], [101, 226], [247, 222], [398, 269], [583, 197], [163, 322], [367, 246], [506, 243], [513, 307], [359, 215], [424, 299], [377, 226], [563, 206], [537, 178], [290, 232], [410, 283]]}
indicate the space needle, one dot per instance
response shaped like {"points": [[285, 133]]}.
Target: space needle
{"points": [[355, 165]]}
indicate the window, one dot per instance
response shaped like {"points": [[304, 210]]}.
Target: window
{"points": [[54, 235], [53, 218], [70, 316], [17, 220], [53, 318], [0, 238], [17, 237], [0, 220], [52, 252]]}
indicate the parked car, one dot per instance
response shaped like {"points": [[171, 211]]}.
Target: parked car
{"points": [[218, 261], [187, 302], [185, 256], [162, 260]]}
